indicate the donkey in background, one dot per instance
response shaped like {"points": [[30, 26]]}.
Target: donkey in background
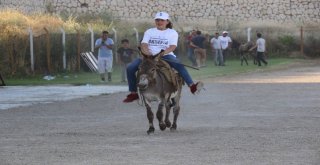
{"points": [[244, 50], [156, 80]]}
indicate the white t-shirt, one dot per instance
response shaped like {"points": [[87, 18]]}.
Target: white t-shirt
{"points": [[224, 41], [215, 42], [261, 45], [104, 52], [158, 40]]}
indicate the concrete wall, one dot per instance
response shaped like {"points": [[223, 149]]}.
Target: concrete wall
{"points": [[184, 11]]}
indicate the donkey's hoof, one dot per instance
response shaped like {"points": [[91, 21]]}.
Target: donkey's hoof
{"points": [[151, 130], [168, 124], [173, 127], [162, 126]]}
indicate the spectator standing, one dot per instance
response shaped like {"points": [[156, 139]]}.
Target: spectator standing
{"points": [[105, 56], [190, 48], [261, 48], [200, 52], [126, 55], [226, 42], [216, 47]]}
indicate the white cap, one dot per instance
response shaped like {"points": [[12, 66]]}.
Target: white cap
{"points": [[162, 15], [224, 32]]}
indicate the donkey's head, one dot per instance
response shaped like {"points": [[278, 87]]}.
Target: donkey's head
{"points": [[250, 44], [148, 71], [246, 46]]}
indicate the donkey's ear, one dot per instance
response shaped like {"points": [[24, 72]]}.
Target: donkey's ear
{"points": [[159, 55]]}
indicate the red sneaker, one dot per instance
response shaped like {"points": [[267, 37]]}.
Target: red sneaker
{"points": [[131, 97], [195, 88]]}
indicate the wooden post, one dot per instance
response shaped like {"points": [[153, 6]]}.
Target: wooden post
{"points": [[48, 49], [78, 50], [301, 42], [31, 49]]}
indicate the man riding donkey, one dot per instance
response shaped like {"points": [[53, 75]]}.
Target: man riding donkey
{"points": [[161, 37]]}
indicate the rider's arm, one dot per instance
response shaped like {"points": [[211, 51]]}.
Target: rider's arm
{"points": [[145, 49], [170, 49]]}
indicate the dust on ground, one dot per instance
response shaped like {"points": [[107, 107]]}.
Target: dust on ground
{"points": [[268, 117]]}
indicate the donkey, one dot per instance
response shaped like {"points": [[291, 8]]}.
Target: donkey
{"points": [[157, 81], [243, 49]]}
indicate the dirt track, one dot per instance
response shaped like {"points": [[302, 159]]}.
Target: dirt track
{"points": [[257, 118]]}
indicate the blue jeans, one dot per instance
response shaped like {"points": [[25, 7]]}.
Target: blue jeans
{"points": [[218, 57], [174, 63]]}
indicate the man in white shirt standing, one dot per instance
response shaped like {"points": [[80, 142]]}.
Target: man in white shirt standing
{"points": [[216, 46], [225, 41], [261, 48], [105, 55]]}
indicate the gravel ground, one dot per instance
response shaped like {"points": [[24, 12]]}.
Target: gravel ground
{"points": [[249, 119]]}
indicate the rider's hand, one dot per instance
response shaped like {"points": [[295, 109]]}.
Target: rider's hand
{"points": [[162, 54]]}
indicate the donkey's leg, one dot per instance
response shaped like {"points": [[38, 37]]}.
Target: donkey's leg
{"points": [[162, 125], [167, 120], [176, 111], [241, 58], [245, 60], [150, 118]]}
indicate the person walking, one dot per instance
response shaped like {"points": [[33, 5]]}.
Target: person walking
{"points": [[105, 56], [200, 52], [190, 48], [216, 47], [161, 37], [126, 55], [261, 48], [226, 42]]}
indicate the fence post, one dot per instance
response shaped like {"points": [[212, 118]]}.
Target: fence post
{"points": [[78, 50], [137, 35], [115, 42], [31, 49], [301, 42], [249, 34], [64, 59], [48, 50], [92, 38]]}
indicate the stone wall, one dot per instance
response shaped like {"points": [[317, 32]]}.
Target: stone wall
{"points": [[199, 11]]}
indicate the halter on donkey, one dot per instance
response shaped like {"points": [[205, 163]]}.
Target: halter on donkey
{"points": [[157, 80]]}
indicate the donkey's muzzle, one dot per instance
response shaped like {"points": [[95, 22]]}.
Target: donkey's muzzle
{"points": [[143, 82]]}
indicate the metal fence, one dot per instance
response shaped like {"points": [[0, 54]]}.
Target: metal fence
{"points": [[55, 52]]}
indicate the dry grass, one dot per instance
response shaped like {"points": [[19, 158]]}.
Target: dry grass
{"points": [[14, 33], [15, 22]]}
